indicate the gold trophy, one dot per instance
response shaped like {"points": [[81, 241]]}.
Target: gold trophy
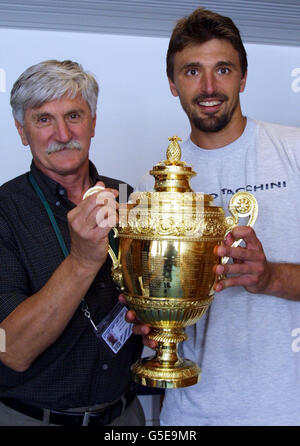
{"points": [[165, 262]]}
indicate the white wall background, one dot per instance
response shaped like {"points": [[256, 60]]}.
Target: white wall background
{"points": [[136, 111]]}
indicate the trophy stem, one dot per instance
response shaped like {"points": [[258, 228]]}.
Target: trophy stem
{"points": [[166, 369], [167, 348], [167, 354]]}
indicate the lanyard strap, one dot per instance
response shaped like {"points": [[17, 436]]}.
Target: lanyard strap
{"points": [[50, 214], [59, 236], [60, 239]]}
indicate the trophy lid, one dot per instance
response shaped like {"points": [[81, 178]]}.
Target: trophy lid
{"points": [[172, 209], [172, 174]]}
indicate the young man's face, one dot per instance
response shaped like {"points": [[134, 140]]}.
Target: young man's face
{"points": [[51, 129], [208, 80]]}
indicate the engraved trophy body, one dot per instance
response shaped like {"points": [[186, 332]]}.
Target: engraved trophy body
{"points": [[165, 263]]}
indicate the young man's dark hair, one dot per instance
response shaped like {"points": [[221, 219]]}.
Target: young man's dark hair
{"points": [[199, 27]]}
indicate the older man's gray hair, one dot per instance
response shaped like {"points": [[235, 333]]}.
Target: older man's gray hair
{"points": [[51, 80]]}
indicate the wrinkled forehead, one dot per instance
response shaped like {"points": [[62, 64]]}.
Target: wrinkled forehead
{"points": [[62, 105]]}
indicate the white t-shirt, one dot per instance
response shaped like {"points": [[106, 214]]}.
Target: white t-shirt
{"points": [[246, 344]]}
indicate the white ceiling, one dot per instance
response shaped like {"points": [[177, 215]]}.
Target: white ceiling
{"points": [[266, 21]]}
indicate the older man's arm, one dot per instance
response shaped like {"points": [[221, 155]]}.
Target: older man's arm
{"points": [[40, 319]]}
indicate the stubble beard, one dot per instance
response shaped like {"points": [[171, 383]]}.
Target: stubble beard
{"points": [[211, 123]]}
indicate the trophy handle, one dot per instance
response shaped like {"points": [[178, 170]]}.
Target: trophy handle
{"points": [[242, 204], [116, 269]]}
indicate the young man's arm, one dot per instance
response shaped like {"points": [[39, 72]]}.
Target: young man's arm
{"points": [[253, 270]]}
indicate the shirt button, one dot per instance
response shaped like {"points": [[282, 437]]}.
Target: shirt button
{"points": [[104, 366], [61, 192], [57, 203]]}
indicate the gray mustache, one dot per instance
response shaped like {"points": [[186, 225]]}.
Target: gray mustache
{"points": [[57, 146]]}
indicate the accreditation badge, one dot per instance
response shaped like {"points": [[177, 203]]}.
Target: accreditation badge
{"points": [[114, 330]]}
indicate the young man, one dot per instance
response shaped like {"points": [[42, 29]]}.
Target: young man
{"points": [[55, 281], [244, 344]]}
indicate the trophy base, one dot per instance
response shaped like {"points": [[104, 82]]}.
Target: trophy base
{"points": [[150, 372]]}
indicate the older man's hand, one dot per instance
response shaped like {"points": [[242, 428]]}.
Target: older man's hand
{"points": [[139, 328]]}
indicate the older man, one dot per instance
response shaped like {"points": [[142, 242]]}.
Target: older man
{"points": [[56, 292]]}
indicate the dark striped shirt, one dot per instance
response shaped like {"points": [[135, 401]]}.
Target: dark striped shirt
{"points": [[78, 369]]}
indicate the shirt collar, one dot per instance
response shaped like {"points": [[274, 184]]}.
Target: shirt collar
{"points": [[53, 190]]}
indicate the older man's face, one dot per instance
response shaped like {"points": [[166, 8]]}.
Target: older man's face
{"points": [[59, 134]]}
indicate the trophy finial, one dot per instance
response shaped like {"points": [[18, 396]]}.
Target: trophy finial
{"points": [[172, 174], [174, 150]]}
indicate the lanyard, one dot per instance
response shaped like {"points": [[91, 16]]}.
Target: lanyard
{"points": [[61, 241]]}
